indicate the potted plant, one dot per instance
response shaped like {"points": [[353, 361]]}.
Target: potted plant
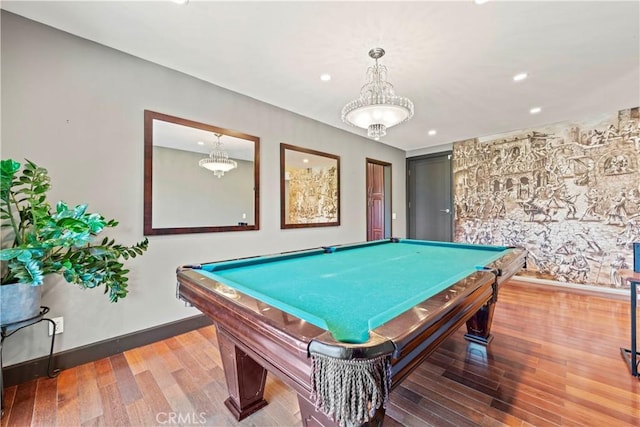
{"points": [[38, 241]]}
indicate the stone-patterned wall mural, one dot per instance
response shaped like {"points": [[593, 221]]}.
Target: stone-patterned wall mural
{"points": [[569, 193]]}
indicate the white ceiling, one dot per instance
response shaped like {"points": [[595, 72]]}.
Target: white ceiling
{"points": [[454, 59]]}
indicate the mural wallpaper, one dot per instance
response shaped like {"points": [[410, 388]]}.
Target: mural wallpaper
{"points": [[569, 193]]}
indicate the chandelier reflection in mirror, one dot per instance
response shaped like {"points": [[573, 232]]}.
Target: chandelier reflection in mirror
{"points": [[218, 161], [378, 107]]}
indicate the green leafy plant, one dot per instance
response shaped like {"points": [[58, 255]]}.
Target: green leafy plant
{"points": [[38, 240]]}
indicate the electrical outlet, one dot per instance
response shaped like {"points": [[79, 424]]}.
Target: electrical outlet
{"points": [[59, 327]]}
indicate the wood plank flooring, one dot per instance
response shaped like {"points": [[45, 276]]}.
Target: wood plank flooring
{"points": [[555, 361]]}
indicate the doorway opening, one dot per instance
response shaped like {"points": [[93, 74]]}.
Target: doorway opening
{"points": [[378, 199]]}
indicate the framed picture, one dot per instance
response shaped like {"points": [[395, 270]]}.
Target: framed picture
{"points": [[309, 188]]}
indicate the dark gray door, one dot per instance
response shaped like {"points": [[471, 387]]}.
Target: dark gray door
{"points": [[429, 195]]}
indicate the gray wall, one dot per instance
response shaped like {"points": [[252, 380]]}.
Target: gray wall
{"points": [[76, 108]]}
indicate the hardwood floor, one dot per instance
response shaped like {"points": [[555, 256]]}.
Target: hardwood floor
{"points": [[555, 361]]}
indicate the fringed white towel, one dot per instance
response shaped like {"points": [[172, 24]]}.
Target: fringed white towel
{"points": [[350, 391]]}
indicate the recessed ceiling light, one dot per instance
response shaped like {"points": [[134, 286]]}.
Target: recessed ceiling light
{"points": [[535, 110], [200, 143], [519, 77], [480, 1], [325, 77], [432, 132], [180, 1], [305, 160]]}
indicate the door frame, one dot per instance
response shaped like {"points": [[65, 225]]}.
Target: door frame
{"points": [[388, 206]]}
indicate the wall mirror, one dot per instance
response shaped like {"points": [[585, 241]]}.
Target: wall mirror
{"points": [[198, 178], [309, 188]]}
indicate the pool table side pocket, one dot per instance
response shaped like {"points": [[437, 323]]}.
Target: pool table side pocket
{"points": [[510, 264]]}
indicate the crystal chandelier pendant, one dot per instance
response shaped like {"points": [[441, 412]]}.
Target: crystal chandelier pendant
{"points": [[378, 107], [376, 131], [218, 161]]}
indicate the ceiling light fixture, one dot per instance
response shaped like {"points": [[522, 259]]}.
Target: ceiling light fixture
{"points": [[378, 107], [218, 161], [432, 132], [519, 77], [535, 110], [325, 77]]}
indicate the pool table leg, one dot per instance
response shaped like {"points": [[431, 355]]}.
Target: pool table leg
{"points": [[245, 379], [479, 326]]}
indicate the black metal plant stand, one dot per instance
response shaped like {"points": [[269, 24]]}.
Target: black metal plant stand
{"points": [[632, 356], [11, 328]]}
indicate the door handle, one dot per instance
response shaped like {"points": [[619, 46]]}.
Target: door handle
{"points": [[445, 210]]}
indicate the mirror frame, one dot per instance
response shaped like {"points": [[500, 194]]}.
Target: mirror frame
{"points": [[283, 166], [149, 117]]}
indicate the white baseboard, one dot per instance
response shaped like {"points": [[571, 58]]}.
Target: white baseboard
{"points": [[586, 289]]}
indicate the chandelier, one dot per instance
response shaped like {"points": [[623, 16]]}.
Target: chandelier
{"points": [[218, 161], [378, 107]]}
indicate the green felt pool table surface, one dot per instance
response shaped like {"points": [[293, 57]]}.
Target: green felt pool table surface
{"points": [[352, 289]]}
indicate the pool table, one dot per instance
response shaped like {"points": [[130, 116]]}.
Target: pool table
{"points": [[343, 325]]}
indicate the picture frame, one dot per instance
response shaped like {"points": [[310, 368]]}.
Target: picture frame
{"points": [[309, 188]]}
